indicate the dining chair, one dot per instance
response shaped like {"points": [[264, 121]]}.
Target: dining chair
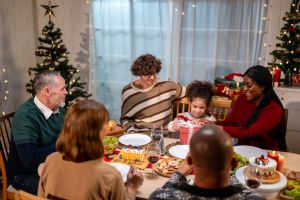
{"points": [[220, 107], [22, 195], [5, 133], [180, 106]]}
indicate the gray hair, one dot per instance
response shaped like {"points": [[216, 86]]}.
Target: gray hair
{"points": [[44, 78]]}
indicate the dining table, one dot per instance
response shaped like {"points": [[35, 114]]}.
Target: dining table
{"points": [[152, 182]]}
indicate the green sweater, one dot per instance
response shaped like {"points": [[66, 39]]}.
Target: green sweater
{"points": [[33, 138]]}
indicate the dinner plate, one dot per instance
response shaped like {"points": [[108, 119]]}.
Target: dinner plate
{"points": [[249, 151], [264, 189], [179, 151], [135, 139], [122, 168]]}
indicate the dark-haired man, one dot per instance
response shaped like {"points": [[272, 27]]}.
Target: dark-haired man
{"points": [[210, 157], [147, 102]]}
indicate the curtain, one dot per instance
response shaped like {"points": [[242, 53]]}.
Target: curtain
{"points": [[195, 39]]}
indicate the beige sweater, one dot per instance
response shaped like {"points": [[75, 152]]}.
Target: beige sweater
{"points": [[87, 180]]}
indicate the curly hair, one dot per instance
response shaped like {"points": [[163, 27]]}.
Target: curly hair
{"points": [[79, 139], [146, 65], [198, 89]]}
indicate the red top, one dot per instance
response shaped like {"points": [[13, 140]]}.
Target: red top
{"points": [[263, 133]]}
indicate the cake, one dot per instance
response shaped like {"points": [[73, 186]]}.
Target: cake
{"points": [[266, 165], [134, 154]]}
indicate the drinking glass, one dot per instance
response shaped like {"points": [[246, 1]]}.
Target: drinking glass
{"points": [[153, 153], [253, 176]]}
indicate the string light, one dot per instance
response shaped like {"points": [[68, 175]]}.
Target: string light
{"points": [[182, 13], [6, 92], [193, 5]]}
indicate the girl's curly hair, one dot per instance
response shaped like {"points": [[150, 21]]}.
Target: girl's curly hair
{"points": [[203, 90]]}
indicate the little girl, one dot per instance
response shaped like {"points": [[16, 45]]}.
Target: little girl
{"points": [[199, 95]]}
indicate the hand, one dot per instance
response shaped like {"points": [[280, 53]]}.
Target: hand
{"points": [[185, 168], [134, 179], [40, 168], [176, 125]]}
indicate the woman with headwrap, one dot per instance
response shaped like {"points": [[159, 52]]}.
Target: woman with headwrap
{"points": [[257, 116]]}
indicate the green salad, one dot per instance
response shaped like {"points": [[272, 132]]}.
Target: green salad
{"points": [[238, 161], [292, 189], [110, 144]]}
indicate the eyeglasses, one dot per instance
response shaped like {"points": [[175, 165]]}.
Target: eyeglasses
{"points": [[149, 76]]}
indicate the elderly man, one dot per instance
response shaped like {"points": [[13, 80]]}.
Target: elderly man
{"points": [[35, 128], [210, 157]]}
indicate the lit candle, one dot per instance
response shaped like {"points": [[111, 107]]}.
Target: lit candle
{"points": [[273, 155], [276, 76], [280, 163]]}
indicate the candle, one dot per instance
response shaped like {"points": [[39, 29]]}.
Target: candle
{"points": [[276, 76], [280, 163], [273, 155]]}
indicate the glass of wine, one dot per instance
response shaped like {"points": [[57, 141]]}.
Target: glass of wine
{"points": [[153, 153], [253, 176]]}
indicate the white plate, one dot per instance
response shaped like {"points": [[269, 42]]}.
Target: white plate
{"points": [[135, 139], [122, 168], [264, 189], [179, 151], [249, 151]]}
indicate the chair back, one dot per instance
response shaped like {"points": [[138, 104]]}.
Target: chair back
{"points": [[180, 106], [5, 133], [22, 195], [220, 107], [286, 114]]}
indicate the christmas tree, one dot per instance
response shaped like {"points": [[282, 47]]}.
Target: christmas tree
{"points": [[54, 55], [287, 53]]}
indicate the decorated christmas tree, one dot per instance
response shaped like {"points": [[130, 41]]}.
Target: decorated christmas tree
{"points": [[287, 53], [55, 57]]}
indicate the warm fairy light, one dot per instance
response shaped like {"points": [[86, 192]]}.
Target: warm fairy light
{"points": [[87, 1], [182, 13], [290, 41], [3, 70], [265, 5], [193, 5], [77, 70], [259, 58], [5, 81], [6, 92], [3, 113], [293, 4], [265, 44], [5, 97], [280, 63], [292, 52], [176, 9], [260, 32], [295, 69]]}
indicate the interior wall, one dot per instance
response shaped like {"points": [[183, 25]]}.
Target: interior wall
{"points": [[21, 23], [16, 51]]}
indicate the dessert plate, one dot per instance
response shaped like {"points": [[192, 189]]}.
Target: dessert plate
{"points": [[135, 139], [264, 189], [179, 151], [122, 168], [249, 151]]}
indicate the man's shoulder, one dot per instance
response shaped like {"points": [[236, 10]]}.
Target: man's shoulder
{"points": [[127, 87], [28, 108]]}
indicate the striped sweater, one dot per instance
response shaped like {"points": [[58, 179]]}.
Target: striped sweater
{"points": [[143, 108]]}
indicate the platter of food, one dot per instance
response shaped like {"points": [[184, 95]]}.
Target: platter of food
{"points": [[115, 129], [292, 190], [110, 144], [238, 161], [135, 139], [167, 166], [249, 151], [122, 168], [179, 151]]}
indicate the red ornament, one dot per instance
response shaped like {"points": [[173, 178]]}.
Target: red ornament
{"points": [[292, 30]]}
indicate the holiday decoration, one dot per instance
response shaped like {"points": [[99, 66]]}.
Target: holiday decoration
{"points": [[55, 58], [287, 53]]}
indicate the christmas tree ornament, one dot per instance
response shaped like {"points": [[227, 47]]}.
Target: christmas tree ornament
{"points": [[54, 54]]}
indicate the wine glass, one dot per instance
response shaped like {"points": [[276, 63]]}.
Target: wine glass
{"points": [[253, 176], [153, 153]]}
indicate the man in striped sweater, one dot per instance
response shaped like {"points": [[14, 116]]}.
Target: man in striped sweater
{"points": [[147, 102]]}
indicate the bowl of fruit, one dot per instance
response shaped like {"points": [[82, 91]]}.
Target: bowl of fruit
{"points": [[110, 144]]}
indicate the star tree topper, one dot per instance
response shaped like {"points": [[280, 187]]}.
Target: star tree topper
{"points": [[49, 10]]}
